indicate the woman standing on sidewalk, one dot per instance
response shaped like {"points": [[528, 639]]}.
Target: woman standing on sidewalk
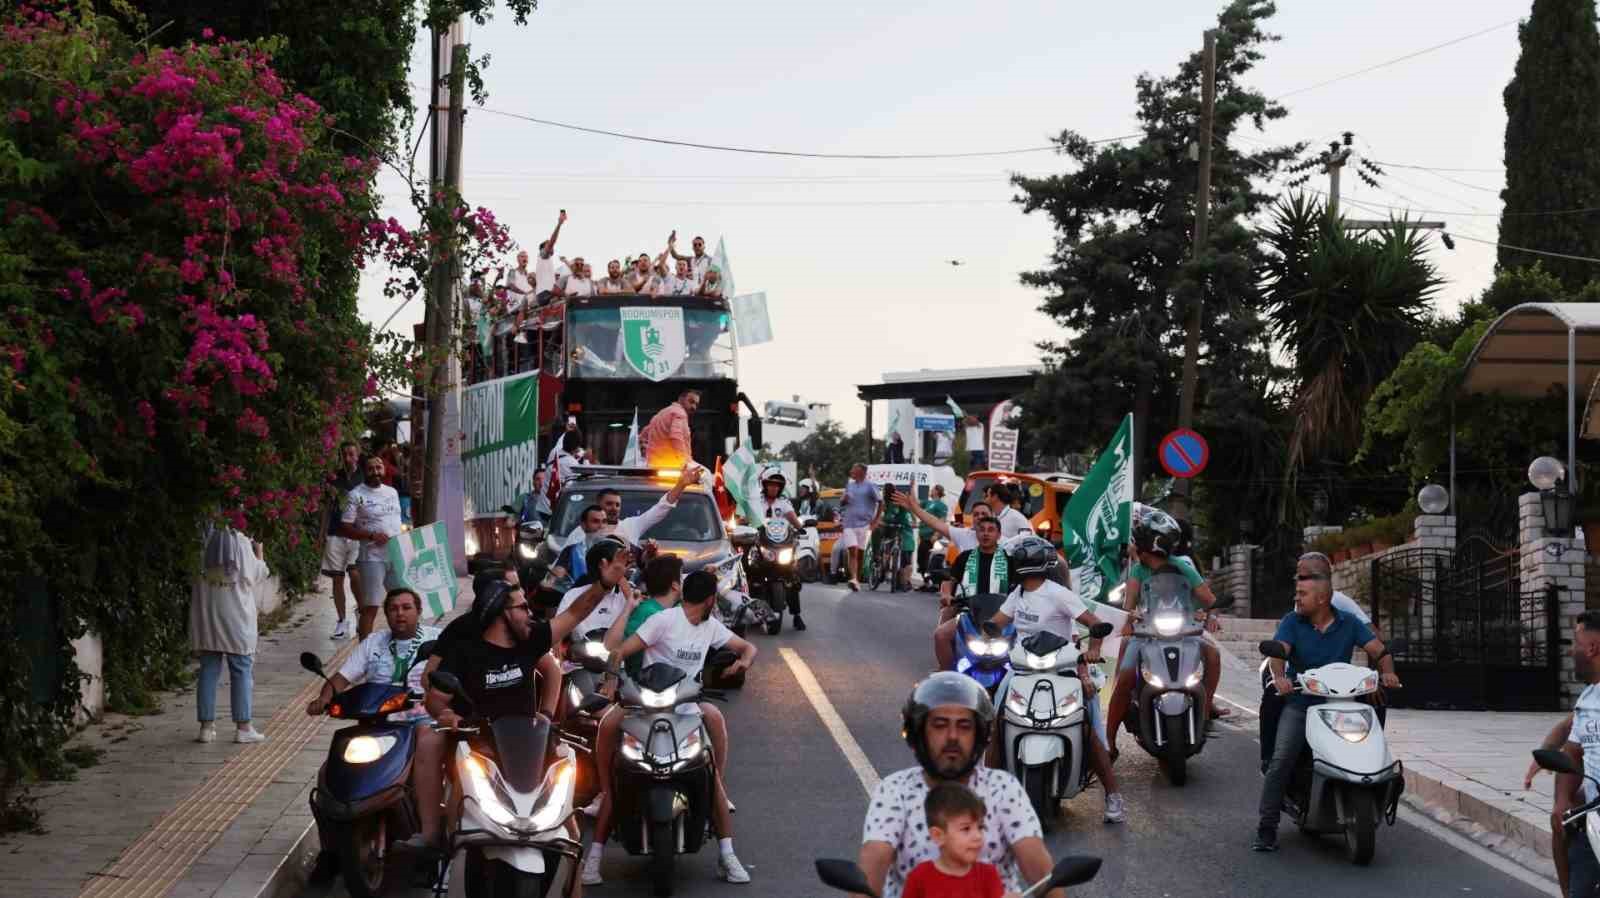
{"points": [[222, 625]]}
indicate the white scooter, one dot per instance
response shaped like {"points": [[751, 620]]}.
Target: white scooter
{"points": [[1046, 723], [1557, 761], [807, 560], [1346, 779]]}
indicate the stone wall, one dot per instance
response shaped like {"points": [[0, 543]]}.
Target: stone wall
{"points": [[1232, 577], [1553, 561]]}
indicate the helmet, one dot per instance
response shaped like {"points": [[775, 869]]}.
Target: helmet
{"points": [[938, 690], [604, 549], [1155, 531], [773, 472], [490, 600], [1030, 556]]}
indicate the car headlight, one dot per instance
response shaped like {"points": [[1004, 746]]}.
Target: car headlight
{"points": [[485, 791], [1168, 624], [1042, 662], [1352, 726], [557, 794], [366, 749], [1152, 678], [785, 556], [666, 698]]}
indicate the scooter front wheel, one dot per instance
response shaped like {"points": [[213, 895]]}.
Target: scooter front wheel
{"points": [[778, 598], [663, 859], [361, 852], [1361, 829], [1036, 782], [1175, 763]]}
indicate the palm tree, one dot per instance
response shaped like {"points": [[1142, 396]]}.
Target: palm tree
{"points": [[1347, 306]]}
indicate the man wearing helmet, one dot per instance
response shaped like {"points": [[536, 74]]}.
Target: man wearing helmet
{"points": [[947, 722], [1156, 539], [772, 503], [1041, 605]]}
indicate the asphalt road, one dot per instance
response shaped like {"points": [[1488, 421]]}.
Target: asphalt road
{"points": [[799, 799]]}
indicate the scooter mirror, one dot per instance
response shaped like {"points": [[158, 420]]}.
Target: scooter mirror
{"points": [[1100, 630], [743, 536], [844, 876], [509, 510], [1555, 760], [1273, 649], [1072, 871], [808, 522], [1223, 603], [311, 662]]}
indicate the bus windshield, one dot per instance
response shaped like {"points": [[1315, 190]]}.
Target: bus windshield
{"points": [[659, 341]]}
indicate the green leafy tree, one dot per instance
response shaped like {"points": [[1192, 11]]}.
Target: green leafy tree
{"points": [[829, 451], [1121, 279], [1552, 129]]}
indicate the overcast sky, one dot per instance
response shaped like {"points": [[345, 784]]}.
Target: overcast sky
{"points": [[854, 255]]}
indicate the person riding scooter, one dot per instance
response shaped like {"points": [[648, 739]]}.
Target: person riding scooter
{"points": [[1041, 605], [947, 721], [1156, 536], [982, 570], [683, 636], [773, 504]]}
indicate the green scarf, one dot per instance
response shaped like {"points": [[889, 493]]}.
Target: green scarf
{"points": [[999, 570]]}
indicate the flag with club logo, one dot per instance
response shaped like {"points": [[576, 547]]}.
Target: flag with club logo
{"points": [[420, 559], [739, 475], [1095, 526], [631, 456]]}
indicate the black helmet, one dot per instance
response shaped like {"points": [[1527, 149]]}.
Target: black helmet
{"points": [[1031, 556], [939, 690], [490, 600], [1156, 532], [604, 549]]}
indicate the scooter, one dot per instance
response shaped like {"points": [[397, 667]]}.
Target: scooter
{"points": [[983, 650], [529, 535], [1046, 721], [769, 566], [363, 801], [1069, 871], [1557, 761], [807, 562], [1346, 779], [583, 672], [1166, 712], [516, 788], [665, 775]]}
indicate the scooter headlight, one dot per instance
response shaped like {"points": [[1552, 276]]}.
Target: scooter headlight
{"points": [[1168, 624], [594, 648], [632, 749], [666, 698], [556, 796], [1195, 678], [574, 697], [525, 551], [1314, 686], [366, 749], [487, 794], [1067, 704], [1152, 678], [786, 556], [1352, 726], [690, 747], [978, 646], [1042, 662]]}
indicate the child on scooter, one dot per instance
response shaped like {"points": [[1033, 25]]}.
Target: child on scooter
{"points": [[955, 823]]}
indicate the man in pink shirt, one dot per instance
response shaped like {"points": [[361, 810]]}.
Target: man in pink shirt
{"points": [[666, 441]]}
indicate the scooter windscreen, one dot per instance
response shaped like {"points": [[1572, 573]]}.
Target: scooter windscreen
{"points": [[1043, 643], [520, 744], [982, 607], [1167, 603]]}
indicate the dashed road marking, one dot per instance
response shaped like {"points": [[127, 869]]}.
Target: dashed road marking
{"points": [[831, 719]]}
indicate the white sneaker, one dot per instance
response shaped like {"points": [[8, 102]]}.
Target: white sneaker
{"points": [[1116, 808], [591, 870], [208, 733], [729, 869], [342, 630], [249, 736]]}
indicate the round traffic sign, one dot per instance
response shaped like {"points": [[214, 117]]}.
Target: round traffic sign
{"points": [[1183, 453]]}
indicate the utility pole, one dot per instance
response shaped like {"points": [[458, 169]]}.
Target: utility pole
{"points": [[443, 276], [1202, 224], [1333, 162]]}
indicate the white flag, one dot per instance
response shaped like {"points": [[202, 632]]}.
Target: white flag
{"points": [[631, 456], [726, 271]]}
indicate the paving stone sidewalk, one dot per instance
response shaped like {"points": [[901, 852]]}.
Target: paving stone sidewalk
{"points": [[161, 814]]}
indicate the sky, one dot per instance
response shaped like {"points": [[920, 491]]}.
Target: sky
{"points": [[854, 255]]}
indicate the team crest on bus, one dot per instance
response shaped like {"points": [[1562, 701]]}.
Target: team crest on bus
{"points": [[652, 340]]}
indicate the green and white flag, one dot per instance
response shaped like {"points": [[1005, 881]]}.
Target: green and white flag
{"points": [[1095, 525], [955, 409], [739, 475], [631, 456], [420, 559], [724, 270]]}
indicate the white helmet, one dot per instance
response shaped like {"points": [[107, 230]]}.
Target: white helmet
{"points": [[773, 472]]}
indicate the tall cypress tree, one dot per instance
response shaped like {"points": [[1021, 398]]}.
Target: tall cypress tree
{"points": [[1552, 136]]}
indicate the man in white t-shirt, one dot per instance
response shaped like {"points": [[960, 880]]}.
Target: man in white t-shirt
{"points": [[391, 656], [544, 270], [683, 636], [614, 603], [680, 283], [699, 263], [947, 721], [1041, 605], [998, 497], [371, 515], [977, 449]]}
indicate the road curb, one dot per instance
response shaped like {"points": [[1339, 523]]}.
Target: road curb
{"points": [[293, 873]]}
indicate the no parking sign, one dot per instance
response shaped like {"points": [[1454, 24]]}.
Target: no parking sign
{"points": [[1183, 453]]}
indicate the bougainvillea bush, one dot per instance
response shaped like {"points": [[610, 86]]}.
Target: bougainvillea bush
{"points": [[179, 341]]}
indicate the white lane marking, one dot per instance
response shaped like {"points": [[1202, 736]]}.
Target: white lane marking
{"points": [[1250, 711], [831, 719]]}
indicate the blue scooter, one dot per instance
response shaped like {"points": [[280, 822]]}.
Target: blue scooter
{"points": [[363, 801], [983, 650]]}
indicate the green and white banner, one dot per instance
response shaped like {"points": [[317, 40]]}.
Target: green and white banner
{"points": [[1095, 525], [739, 478], [501, 421], [420, 559]]}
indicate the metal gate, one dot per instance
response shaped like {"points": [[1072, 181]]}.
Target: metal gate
{"points": [[1476, 640], [1272, 567]]}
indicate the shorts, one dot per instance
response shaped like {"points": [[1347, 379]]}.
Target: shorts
{"points": [[855, 537], [339, 555], [374, 583]]}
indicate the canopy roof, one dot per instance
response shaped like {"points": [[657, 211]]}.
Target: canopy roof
{"points": [[1524, 352]]}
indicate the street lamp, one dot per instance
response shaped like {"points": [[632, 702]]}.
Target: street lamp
{"points": [[1560, 507], [1433, 499]]}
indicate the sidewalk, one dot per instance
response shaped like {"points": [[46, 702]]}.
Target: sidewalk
{"points": [[163, 815], [1463, 768]]}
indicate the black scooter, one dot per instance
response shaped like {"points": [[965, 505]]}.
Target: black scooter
{"points": [[363, 801], [770, 570], [1069, 871]]}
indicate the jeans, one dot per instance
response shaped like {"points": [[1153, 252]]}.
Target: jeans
{"points": [[241, 681], [1285, 752], [1583, 870], [1271, 710]]}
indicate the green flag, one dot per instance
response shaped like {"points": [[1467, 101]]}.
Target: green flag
{"points": [[420, 559], [739, 474], [954, 409], [1095, 526]]}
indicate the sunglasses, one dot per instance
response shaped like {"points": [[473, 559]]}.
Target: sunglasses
{"points": [[1311, 576], [521, 607]]}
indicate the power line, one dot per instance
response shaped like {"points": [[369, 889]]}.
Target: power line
{"points": [[1439, 168], [1524, 249], [758, 151], [1397, 60]]}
